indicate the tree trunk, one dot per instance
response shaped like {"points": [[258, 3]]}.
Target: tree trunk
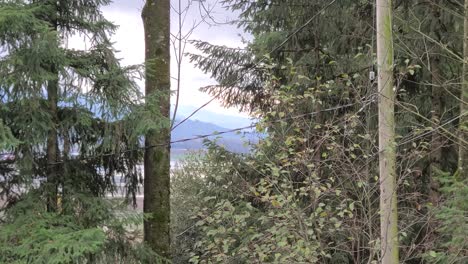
{"points": [[387, 146], [463, 153], [52, 137], [156, 22], [437, 141], [52, 145]]}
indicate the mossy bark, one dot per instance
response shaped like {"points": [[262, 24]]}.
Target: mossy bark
{"points": [[463, 129], [387, 146], [156, 22]]}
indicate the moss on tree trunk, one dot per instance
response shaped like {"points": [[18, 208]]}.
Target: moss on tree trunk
{"points": [[156, 22]]}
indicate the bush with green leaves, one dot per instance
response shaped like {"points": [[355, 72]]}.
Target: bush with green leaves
{"points": [[308, 192], [296, 198], [238, 209]]}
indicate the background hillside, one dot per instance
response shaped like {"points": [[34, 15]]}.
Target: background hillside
{"points": [[234, 141]]}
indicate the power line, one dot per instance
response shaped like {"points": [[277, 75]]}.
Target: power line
{"points": [[218, 133], [365, 103], [415, 137], [366, 164], [431, 130]]}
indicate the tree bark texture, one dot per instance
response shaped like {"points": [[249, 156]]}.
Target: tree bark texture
{"points": [[387, 146], [52, 137], [156, 22], [437, 140], [52, 144]]}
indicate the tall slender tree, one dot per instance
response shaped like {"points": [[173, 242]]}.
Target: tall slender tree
{"points": [[387, 146], [463, 153], [437, 141], [52, 137], [156, 22]]}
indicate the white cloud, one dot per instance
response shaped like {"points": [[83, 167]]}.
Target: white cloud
{"points": [[129, 41]]}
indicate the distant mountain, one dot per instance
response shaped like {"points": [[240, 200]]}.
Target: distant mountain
{"points": [[203, 122], [234, 141], [220, 119]]}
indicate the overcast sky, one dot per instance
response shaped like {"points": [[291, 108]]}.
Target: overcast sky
{"points": [[129, 40]]}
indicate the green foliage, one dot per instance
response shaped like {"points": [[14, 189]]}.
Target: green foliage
{"points": [[231, 67], [7, 140], [85, 230], [67, 218], [338, 34], [292, 200], [147, 117], [325, 66], [452, 247], [65, 243], [221, 215], [187, 189]]}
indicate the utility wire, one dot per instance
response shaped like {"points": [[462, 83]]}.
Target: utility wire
{"points": [[370, 160], [219, 133]]}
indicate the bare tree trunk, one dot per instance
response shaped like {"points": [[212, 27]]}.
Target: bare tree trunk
{"points": [[463, 153], [156, 22], [387, 146]]}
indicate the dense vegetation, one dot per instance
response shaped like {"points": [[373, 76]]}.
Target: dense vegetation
{"points": [[71, 122], [308, 192]]}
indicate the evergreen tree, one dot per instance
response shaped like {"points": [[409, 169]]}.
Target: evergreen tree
{"points": [[426, 66], [73, 115]]}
